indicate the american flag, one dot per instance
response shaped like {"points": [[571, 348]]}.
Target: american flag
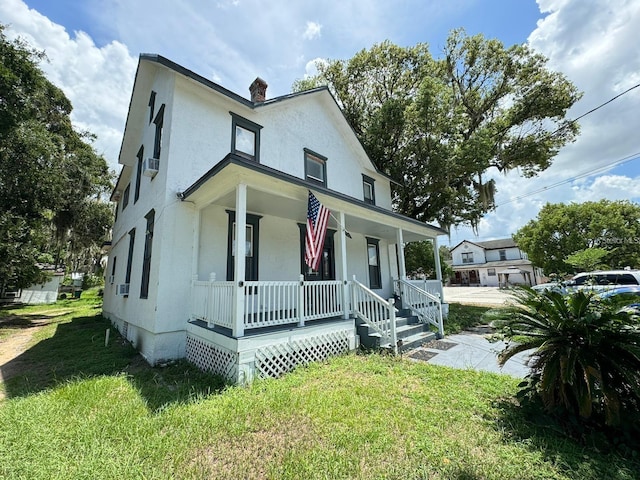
{"points": [[317, 219]]}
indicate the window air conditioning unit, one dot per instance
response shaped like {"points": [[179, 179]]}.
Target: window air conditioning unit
{"points": [[122, 289], [150, 167]]}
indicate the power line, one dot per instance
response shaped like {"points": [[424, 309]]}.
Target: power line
{"points": [[588, 173]]}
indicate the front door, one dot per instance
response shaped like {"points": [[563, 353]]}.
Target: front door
{"points": [[327, 268]]}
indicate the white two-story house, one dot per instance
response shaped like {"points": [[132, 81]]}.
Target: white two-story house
{"points": [[205, 170], [491, 264]]}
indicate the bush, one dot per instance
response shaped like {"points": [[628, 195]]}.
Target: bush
{"points": [[586, 357]]}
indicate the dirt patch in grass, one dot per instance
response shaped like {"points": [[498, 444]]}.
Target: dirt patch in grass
{"points": [[255, 454]]}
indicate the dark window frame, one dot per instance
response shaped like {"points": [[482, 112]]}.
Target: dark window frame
{"points": [[125, 196], [132, 241], [467, 257], [251, 266], [146, 259], [113, 270], [375, 271], [491, 272], [366, 180], [152, 105], [311, 156], [140, 156], [503, 254], [157, 141], [238, 121]]}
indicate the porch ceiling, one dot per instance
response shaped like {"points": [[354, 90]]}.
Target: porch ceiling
{"points": [[272, 194]]}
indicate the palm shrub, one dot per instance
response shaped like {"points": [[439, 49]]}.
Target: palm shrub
{"points": [[586, 351]]}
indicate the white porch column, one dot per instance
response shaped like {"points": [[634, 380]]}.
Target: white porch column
{"points": [[438, 267], [343, 260], [240, 259], [402, 269]]}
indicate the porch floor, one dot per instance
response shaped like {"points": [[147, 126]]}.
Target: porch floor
{"points": [[254, 332]]}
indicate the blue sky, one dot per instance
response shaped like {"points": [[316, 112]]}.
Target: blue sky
{"points": [[93, 45]]}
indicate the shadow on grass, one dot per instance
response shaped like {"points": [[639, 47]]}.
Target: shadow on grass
{"points": [[77, 350], [591, 456]]}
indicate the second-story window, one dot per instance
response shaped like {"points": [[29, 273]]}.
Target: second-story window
{"points": [[245, 138], [152, 105], [315, 167], [503, 254], [368, 187], [159, 121], [140, 156], [125, 197], [467, 257]]}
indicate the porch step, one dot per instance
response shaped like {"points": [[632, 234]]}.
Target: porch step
{"points": [[410, 332]]}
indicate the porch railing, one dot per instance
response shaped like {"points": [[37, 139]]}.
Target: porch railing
{"points": [[425, 305], [434, 287], [266, 304], [380, 314], [212, 301]]}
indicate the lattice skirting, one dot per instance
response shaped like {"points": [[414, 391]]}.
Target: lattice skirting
{"points": [[275, 360], [125, 330], [212, 358]]}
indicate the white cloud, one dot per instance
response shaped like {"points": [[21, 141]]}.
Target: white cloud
{"points": [[312, 31], [98, 81]]}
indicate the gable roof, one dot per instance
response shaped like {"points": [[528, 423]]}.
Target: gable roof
{"points": [[491, 244], [500, 243], [323, 90]]}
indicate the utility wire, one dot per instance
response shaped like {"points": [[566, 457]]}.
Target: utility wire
{"points": [[588, 173]]}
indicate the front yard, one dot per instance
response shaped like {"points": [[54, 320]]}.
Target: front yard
{"points": [[77, 409]]}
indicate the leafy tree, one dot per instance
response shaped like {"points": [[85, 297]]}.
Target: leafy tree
{"points": [[561, 230], [443, 126], [586, 351], [588, 259], [419, 259], [47, 169]]}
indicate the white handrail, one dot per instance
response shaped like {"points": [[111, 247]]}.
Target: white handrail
{"points": [[426, 306], [378, 313]]}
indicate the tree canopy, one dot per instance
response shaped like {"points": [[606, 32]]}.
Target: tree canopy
{"points": [[419, 260], [51, 178], [442, 126], [558, 237]]}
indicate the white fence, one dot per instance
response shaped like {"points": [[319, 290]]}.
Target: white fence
{"points": [[265, 304]]}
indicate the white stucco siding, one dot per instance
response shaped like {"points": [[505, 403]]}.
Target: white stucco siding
{"points": [[279, 249], [308, 122], [171, 266], [212, 256], [200, 133]]}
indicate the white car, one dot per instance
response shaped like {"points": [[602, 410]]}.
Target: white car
{"points": [[603, 280]]}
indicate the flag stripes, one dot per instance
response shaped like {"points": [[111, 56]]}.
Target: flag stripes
{"points": [[317, 220]]}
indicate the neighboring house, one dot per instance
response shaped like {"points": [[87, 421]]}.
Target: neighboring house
{"points": [[492, 263], [38, 293], [204, 170]]}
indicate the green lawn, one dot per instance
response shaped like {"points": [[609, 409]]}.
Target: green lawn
{"points": [[83, 410]]}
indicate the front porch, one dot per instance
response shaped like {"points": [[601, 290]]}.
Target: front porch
{"points": [[258, 329], [249, 227]]}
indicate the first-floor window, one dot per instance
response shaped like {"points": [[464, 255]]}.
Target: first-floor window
{"points": [[132, 240], [373, 258], [491, 272], [113, 270], [146, 262]]}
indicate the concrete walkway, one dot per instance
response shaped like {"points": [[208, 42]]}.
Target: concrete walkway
{"points": [[485, 296], [471, 350]]}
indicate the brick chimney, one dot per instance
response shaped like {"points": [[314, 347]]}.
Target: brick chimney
{"points": [[258, 90]]}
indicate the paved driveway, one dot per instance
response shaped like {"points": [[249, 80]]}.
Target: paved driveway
{"points": [[489, 296]]}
